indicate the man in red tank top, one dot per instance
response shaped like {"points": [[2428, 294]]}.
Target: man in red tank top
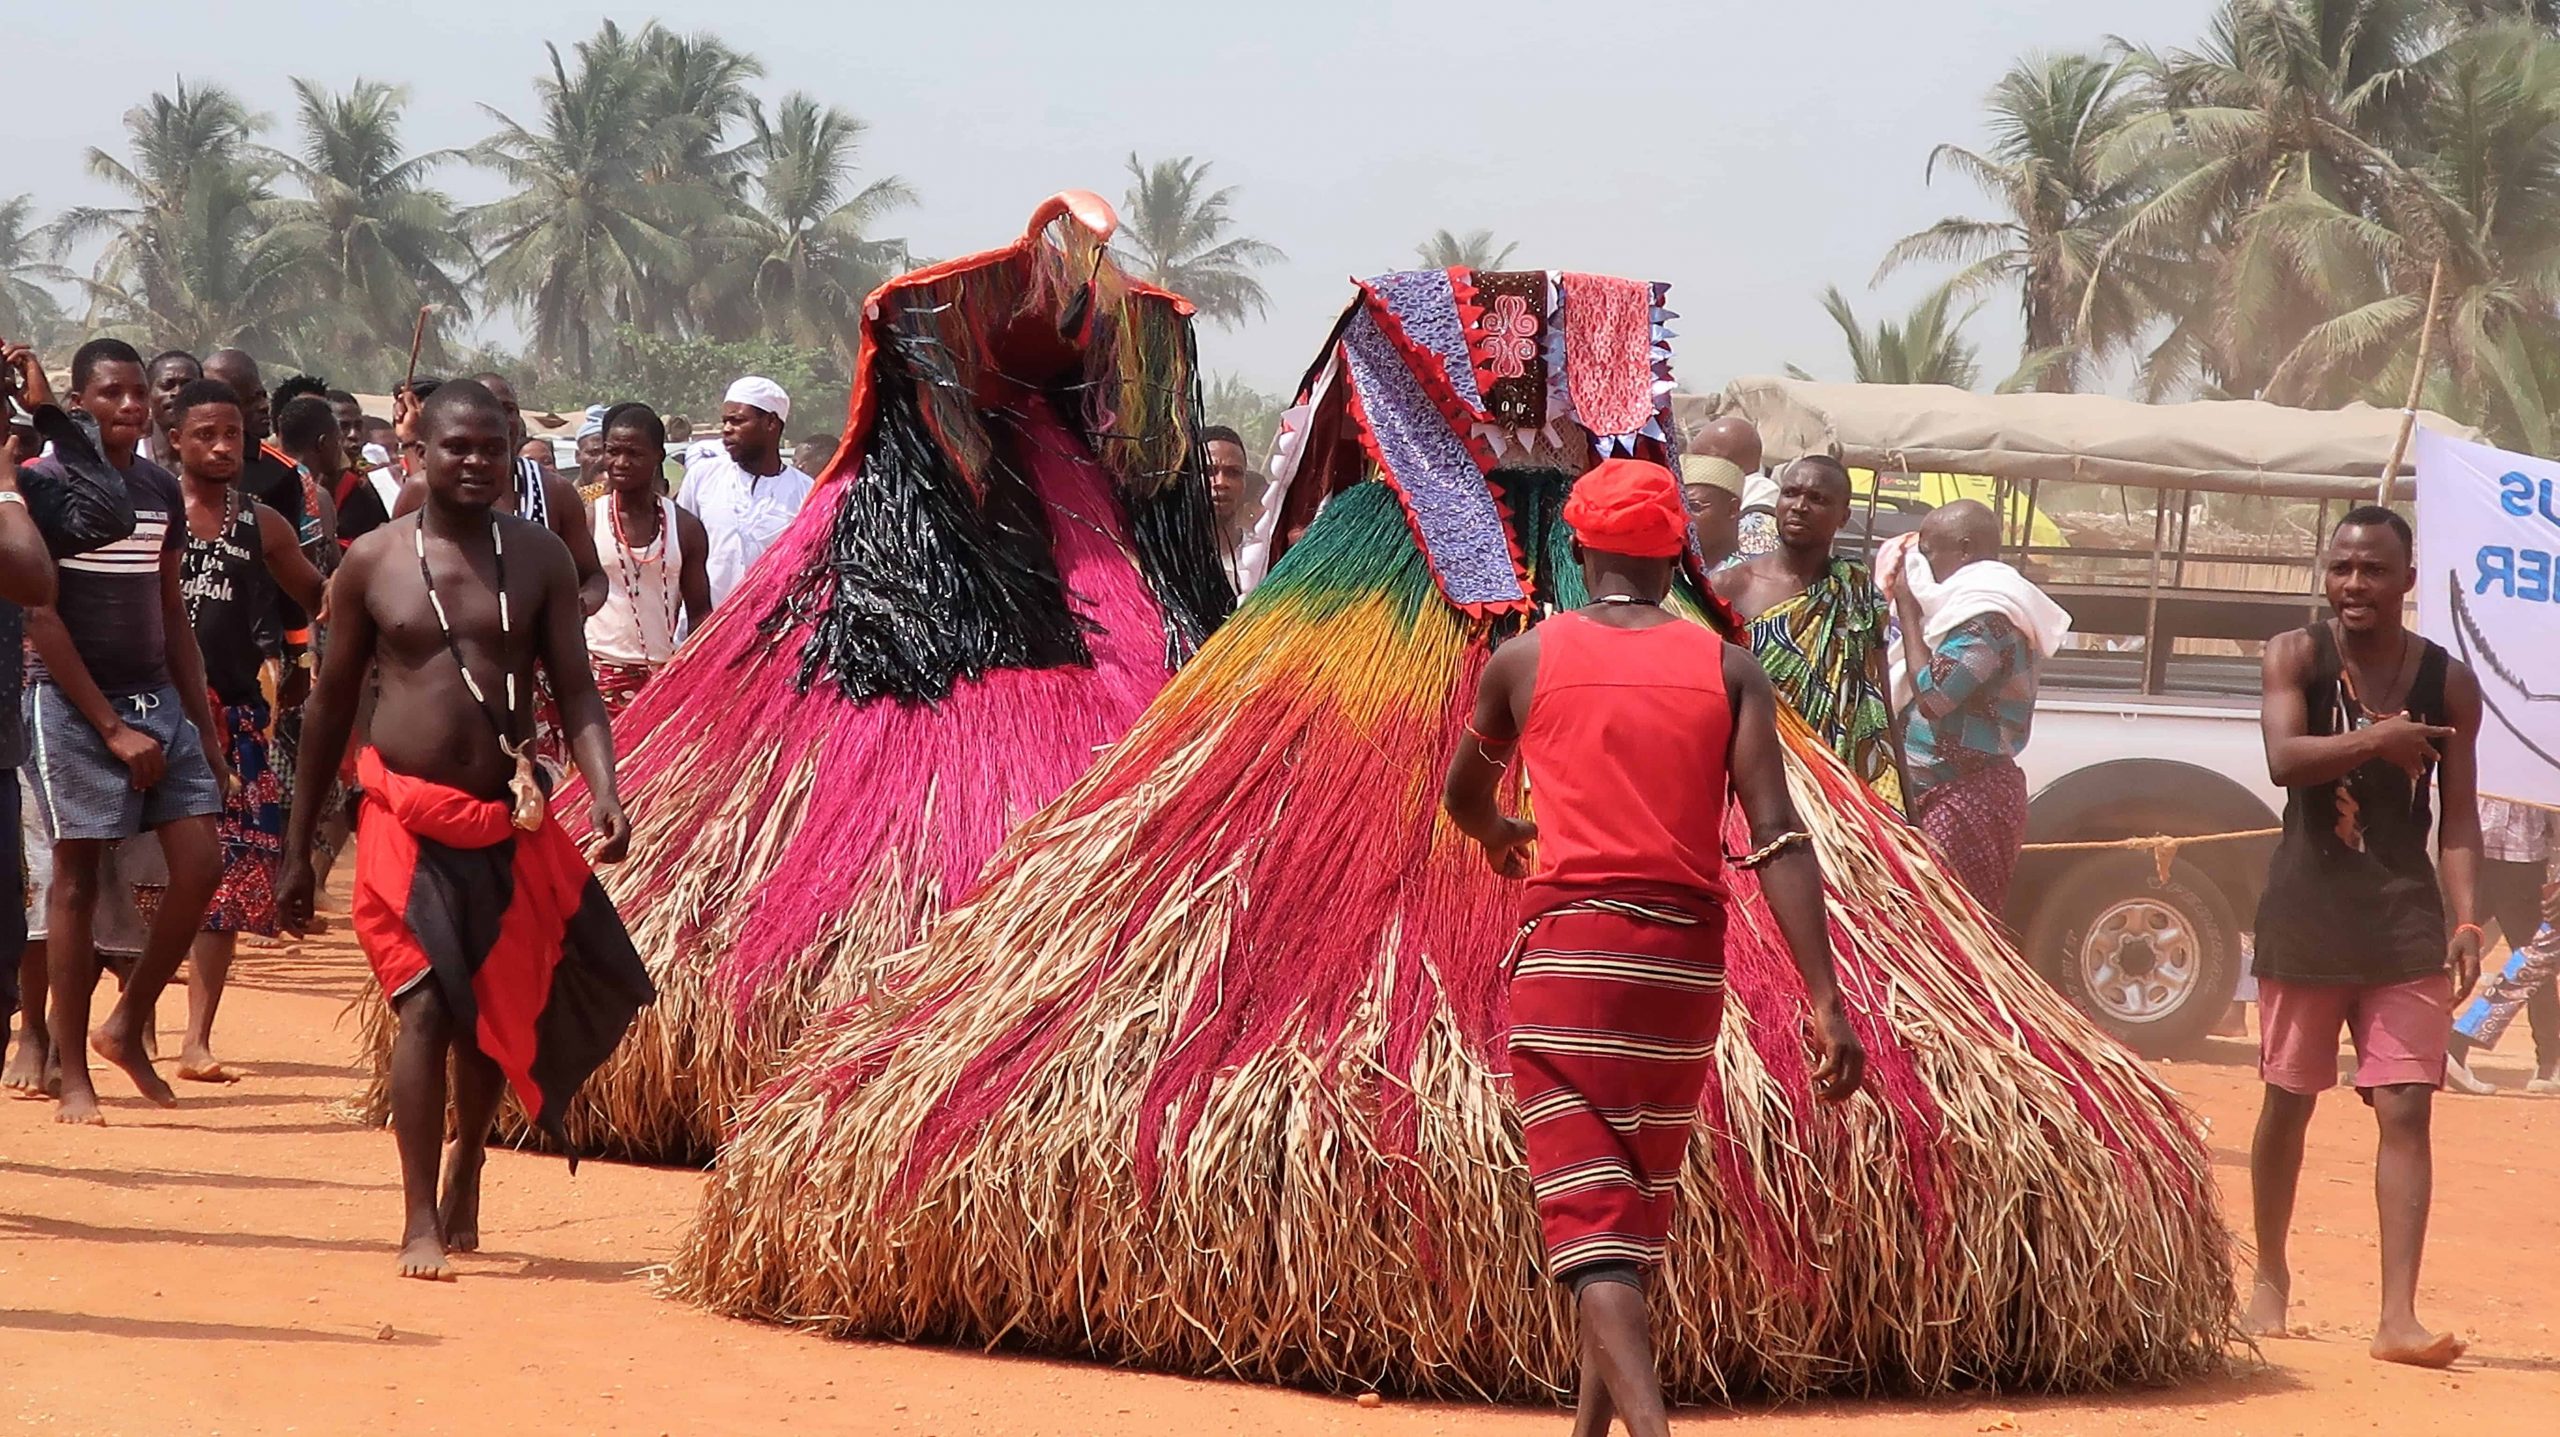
{"points": [[1631, 725]]}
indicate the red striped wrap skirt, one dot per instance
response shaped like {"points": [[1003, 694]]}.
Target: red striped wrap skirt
{"points": [[1614, 1011]]}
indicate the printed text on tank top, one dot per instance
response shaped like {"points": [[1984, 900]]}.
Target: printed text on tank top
{"points": [[211, 558]]}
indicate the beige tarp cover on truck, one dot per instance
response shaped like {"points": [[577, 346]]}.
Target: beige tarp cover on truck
{"points": [[2218, 446]]}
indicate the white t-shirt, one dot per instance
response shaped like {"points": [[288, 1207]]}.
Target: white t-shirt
{"points": [[742, 513]]}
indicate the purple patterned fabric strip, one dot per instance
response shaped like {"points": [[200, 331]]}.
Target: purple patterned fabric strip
{"points": [[1425, 304], [1445, 493]]}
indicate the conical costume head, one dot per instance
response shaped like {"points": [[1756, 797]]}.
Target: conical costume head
{"points": [[1008, 554], [1210, 1074]]}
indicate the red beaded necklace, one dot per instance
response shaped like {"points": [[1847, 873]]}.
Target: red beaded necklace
{"points": [[631, 561]]}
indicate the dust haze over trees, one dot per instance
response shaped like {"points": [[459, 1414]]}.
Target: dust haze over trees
{"points": [[2259, 213]]}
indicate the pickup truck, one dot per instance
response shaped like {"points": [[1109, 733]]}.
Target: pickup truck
{"points": [[2155, 958], [2129, 748]]}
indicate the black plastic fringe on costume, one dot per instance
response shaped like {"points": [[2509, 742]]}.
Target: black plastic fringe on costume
{"points": [[1177, 538], [1174, 525], [919, 586]]}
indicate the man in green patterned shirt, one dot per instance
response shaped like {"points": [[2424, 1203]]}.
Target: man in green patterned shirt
{"points": [[1817, 625]]}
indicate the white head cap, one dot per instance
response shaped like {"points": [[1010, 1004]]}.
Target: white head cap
{"points": [[377, 456], [763, 393]]}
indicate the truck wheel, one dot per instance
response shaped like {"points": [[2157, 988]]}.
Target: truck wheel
{"points": [[2153, 963]]}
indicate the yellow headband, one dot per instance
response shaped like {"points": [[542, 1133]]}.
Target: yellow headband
{"points": [[1713, 471]]}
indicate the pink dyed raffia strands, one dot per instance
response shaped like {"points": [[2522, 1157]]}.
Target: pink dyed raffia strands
{"points": [[786, 845], [791, 835], [1209, 1075]]}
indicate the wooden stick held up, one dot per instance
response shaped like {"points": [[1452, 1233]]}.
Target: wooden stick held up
{"points": [[417, 341], [2417, 377]]}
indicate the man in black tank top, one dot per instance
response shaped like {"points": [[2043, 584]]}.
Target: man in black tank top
{"points": [[2356, 930], [239, 558]]}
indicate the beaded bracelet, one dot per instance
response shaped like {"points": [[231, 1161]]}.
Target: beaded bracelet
{"points": [[1770, 850]]}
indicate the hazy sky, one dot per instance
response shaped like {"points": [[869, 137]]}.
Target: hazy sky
{"points": [[1748, 154]]}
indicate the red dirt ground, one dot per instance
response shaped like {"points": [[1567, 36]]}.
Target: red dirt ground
{"points": [[227, 1269]]}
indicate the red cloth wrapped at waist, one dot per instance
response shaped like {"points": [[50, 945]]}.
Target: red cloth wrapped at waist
{"points": [[519, 938]]}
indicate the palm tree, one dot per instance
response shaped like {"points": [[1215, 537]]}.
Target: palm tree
{"points": [[1926, 347], [2285, 99], [29, 312], [1174, 234], [803, 257], [1254, 415], [192, 258], [698, 91], [699, 88], [386, 243], [2484, 200], [2051, 117], [215, 274], [1475, 249], [574, 244]]}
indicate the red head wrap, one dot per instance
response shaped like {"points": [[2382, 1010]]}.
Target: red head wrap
{"points": [[1631, 507]]}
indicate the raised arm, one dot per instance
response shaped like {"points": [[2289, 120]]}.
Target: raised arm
{"points": [[26, 565], [328, 720], [1791, 880], [573, 687], [2296, 758], [1880, 677], [1484, 752], [90, 507], [286, 563]]}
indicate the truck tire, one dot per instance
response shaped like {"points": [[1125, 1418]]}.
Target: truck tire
{"points": [[2152, 963]]}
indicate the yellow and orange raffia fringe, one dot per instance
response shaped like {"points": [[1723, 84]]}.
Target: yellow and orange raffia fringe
{"points": [[1208, 1076]]}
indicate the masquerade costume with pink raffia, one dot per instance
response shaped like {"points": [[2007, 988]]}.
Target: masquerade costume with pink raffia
{"points": [[1007, 556], [1209, 1074]]}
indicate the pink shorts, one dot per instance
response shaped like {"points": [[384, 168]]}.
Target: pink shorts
{"points": [[2400, 1030]]}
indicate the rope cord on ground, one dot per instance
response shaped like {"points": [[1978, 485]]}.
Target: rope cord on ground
{"points": [[2162, 847]]}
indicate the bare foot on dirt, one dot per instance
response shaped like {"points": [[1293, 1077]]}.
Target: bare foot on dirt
{"points": [[2414, 1346], [424, 1259], [80, 1109], [199, 1065], [125, 1051], [2268, 1299], [26, 1075], [459, 1214]]}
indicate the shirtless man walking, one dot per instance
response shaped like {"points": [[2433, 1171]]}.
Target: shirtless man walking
{"points": [[492, 940], [537, 494]]}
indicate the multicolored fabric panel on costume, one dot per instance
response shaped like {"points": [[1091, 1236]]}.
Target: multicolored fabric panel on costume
{"points": [[1507, 341], [511, 927], [1614, 1012], [251, 826], [1433, 472], [1608, 345], [1424, 305]]}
